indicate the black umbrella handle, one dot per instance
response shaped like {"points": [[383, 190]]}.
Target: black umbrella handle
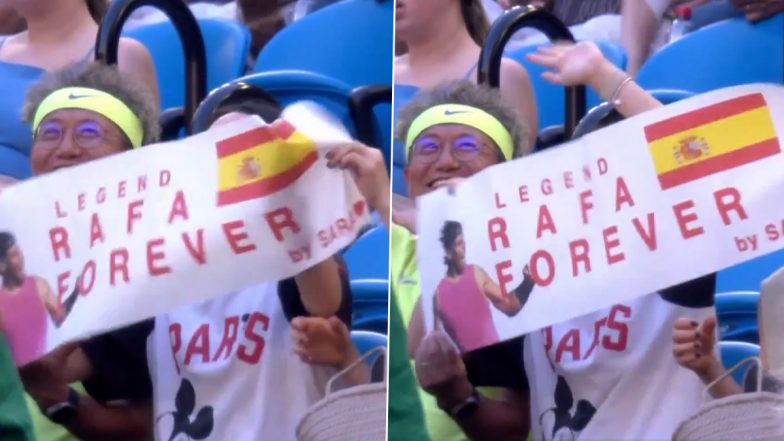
{"points": [[251, 99], [489, 69], [108, 40]]}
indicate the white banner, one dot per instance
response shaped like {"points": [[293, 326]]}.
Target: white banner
{"points": [[141, 233], [650, 202]]}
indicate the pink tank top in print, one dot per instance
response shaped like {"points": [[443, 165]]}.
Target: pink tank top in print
{"points": [[24, 322], [465, 312]]}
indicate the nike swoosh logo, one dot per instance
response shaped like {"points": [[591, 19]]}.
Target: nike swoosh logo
{"points": [[454, 112], [407, 281], [76, 97]]}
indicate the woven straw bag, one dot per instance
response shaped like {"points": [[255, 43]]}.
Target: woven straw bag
{"points": [[754, 416], [357, 413]]}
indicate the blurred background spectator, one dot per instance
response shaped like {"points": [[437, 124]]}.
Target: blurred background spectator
{"points": [[57, 34]]}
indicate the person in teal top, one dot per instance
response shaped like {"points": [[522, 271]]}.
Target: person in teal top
{"points": [[59, 34], [15, 423]]}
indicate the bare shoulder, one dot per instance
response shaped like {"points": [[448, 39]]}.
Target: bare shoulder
{"points": [[132, 50], [512, 71]]}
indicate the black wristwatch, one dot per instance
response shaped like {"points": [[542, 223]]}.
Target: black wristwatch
{"points": [[465, 407], [65, 411]]}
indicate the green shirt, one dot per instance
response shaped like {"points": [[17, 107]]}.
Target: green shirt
{"points": [[404, 281], [406, 421], [15, 424]]}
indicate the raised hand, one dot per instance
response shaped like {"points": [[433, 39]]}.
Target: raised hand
{"points": [[370, 173], [571, 64], [693, 346], [440, 370], [322, 341]]}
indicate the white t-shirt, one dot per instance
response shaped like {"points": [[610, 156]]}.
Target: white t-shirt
{"points": [[612, 374], [237, 353]]}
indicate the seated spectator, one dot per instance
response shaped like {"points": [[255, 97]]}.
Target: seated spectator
{"points": [[424, 173], [443, 40], [609, 378], [115, 366], [112, 367], [59, 33]]}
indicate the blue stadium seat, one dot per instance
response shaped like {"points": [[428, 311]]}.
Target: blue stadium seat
{"points": [[550, 97], [749, 275], [367, 340], [371, 304], [368, 256], [733, 352], [226, 42], [349, 41], [289, 86], [737, 316], [726, 53]]}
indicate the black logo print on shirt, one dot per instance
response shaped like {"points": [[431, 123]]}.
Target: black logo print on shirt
{"points": [[185, 403], [565, 419]]}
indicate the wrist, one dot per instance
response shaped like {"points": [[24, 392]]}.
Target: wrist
{"points": [[606, 79], [713, 370], [349, 356], [454, 394], [51, 395]]}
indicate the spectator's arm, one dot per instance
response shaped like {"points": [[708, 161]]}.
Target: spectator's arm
{"points": [[320, 288], [584, 63], [506, 419], [134, 59], [96, 422], [442, 372], [516, 85], [639, 24]]}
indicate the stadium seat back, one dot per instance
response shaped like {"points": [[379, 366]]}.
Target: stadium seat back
{"points": [[289, 86], [368, 256], [733, 352], [737, 316], [349, 41], [367, 340], [226, 44], [550, 97], [370, 304], [749, 275], [726, 53]]}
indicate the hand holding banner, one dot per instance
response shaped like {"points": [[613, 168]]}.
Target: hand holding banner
{"points": [[653, 201]]}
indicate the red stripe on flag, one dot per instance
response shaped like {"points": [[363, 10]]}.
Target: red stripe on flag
{"points": [[278, 130], [720, 163], [266, 186], [703, 116]]}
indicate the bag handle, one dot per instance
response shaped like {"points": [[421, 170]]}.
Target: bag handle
{"points": [[355, 363], [729, 372]]}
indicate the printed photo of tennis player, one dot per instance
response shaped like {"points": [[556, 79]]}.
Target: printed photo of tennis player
{"points": [[465, 294], [26, 303]]}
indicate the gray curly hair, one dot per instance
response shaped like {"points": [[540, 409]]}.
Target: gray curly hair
{"points": [[104, 78], [469, 94]]}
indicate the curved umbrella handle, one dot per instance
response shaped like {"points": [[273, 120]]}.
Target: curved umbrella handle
{"points": [[255, 99], [489, 69], [108, 40]]}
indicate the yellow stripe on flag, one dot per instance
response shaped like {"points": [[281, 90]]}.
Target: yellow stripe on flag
{"points": [[263, 161], [722, 136]]}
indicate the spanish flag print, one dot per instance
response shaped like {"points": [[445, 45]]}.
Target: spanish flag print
{"points": [[711, 140], [262, 161]]}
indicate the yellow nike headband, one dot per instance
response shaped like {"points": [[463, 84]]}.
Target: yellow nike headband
{"points": [[96, 101], [467, 116]]}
